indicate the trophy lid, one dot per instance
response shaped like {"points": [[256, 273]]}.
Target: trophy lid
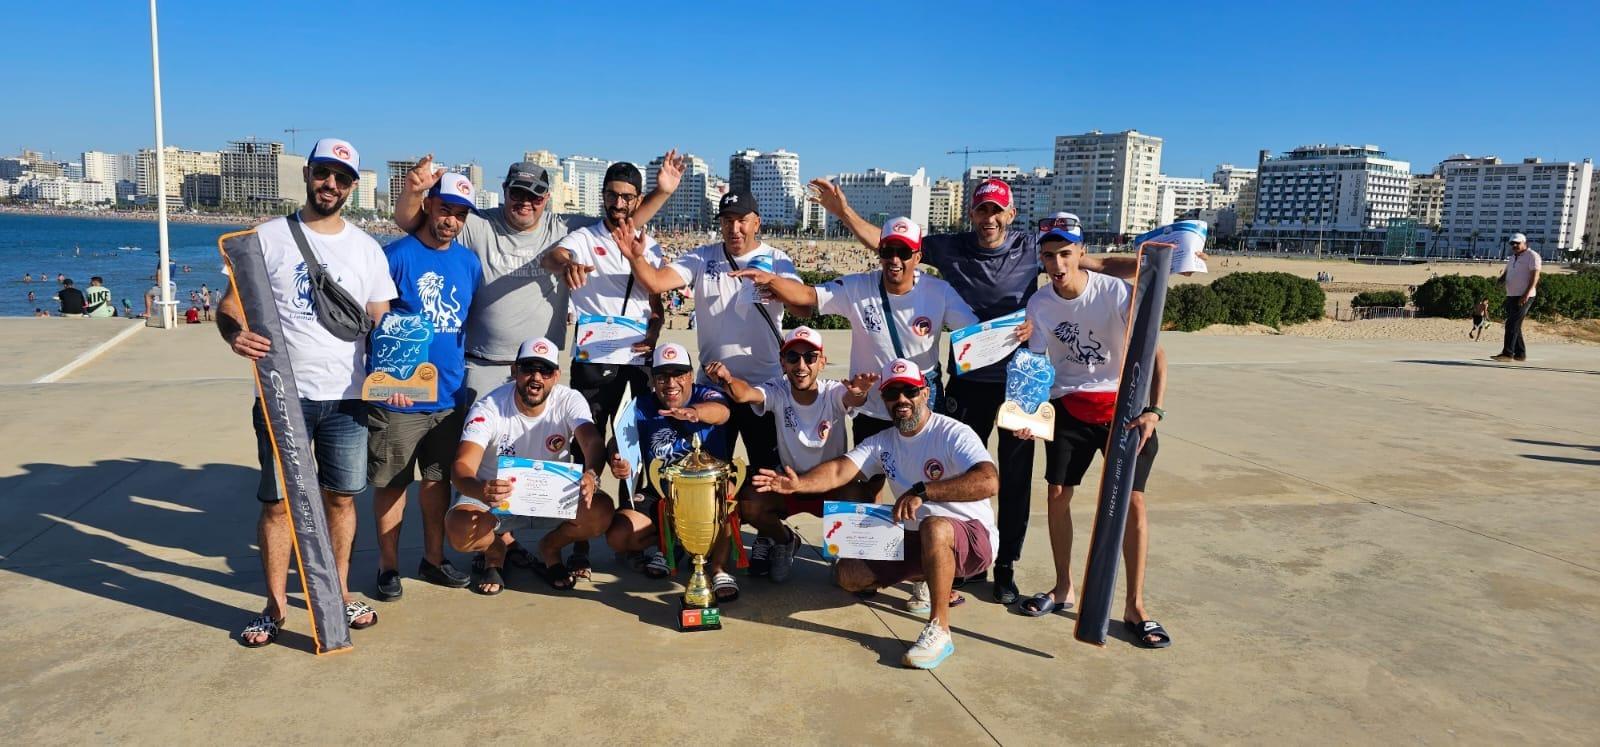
{"points": [[699, 464]]}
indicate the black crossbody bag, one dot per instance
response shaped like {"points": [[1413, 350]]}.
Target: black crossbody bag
{"points": [[339, 313], [932, 375]]}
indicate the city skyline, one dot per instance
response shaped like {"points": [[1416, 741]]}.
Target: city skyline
{"points": [[1283, 84]]}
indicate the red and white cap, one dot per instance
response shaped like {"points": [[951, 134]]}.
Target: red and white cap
{"points": [[453, 188], [802, 336], [336, 151], [902, 371], [671, 356], [539, 348], [903, 230], [992, 190]]}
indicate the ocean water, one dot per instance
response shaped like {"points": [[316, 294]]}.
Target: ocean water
{"points": [[79, 248]]}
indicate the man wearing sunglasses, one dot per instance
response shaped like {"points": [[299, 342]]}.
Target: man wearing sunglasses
{"points": [[437, 278], [328, 372], [995, 269], [894, 312], [534, 416], [811, 432], [518, 297], [942, 478]]}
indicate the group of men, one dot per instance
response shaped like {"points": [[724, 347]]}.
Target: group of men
{"points": [[497, 287]]}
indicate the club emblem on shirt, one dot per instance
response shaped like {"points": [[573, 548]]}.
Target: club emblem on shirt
{"points": [[507, 446], [923, 326], [1083, 349], [445, 314], [824, 428], [555, 443], [933, 469], [600, 250]]}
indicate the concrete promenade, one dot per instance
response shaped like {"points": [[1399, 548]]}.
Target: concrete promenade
{"points": [[1353, 542]]}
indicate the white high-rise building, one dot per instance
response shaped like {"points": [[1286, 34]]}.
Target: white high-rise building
{"points": [[365, 195], [1331, 193], [1108, 180], [59, 190], [1179, 197], [879, 195], [585, 178], [259, 175], [944, 206], [397, 178], [179, 163], [1485, 201], [775, 181], [693, 205], [99, 166], [1591, 225], [1033, 193]]}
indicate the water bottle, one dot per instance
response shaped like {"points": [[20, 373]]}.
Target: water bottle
{"points": [[753, 294]]}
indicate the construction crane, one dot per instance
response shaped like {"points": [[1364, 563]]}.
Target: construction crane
{"points": [[297, 130], [966, 154]]}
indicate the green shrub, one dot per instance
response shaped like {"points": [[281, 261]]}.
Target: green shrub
{"points": [[1453, 296], [1270, 298], [1379, 298], [1192, 306], [1574, 296], [817, 321]]}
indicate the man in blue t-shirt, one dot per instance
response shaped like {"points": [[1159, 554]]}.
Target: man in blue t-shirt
{"points": [[436, 278], [670, 416], [995, 269]]}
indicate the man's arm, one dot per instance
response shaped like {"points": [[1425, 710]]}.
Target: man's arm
{"points": [[408, 215], [736, 388], [1117, 267], [230, 324], [793, 293], [832, 199], [829, 475], [377, 309], [666, 183], [1533, 283], [650, 277], [976, 484], [464, 475]]}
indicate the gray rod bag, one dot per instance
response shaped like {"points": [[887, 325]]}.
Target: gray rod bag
{"points": [[291, 445], [1122, 446]]}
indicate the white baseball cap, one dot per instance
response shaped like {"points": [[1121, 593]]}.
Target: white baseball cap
{"points": [[334, 150], [671, 358], [539, 348], [802, 336], [453, 188], [902, 371], [1518, 238], [903, 230]]}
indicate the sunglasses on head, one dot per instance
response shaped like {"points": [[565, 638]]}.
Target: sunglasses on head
{"points": [[895, 251], [529, 368], [792, 357], [319, 173], [893, 393], [1048, 224]]}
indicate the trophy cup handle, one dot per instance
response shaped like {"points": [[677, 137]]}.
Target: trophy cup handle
{"points": [[738, 468], [655, 477]]}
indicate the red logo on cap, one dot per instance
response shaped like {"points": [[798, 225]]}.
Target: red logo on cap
{"points": [[541, 348], [900, 228], [556, 443], [339, 151], [669, 353], [899, 368], [465, 187], [923, 326], [933, 469]]}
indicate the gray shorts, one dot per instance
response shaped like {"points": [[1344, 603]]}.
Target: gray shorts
{"points": [[398, 443], [540, 525], [483, 377]]}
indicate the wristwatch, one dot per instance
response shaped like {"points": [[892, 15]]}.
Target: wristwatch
{"points": [[1160, 413], [919, 489]]}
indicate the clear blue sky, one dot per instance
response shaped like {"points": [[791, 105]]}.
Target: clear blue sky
{"points": [[846, 85]]}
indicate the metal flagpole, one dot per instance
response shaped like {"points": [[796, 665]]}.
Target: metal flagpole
{"points": [[166, 306]]}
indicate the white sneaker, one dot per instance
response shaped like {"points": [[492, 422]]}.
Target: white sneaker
{"points": [[782, 558], [933, 646], [920, 603]]}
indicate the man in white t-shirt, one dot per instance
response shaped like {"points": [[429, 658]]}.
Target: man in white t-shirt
{"points": [[920, 307], [328, 372], [811, 432], [1521, 279], [534, 416], [1081, 322], [943, 479], [732, 329]]}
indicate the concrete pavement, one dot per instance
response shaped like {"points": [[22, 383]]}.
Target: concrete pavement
{"points": [[1352, 542]]}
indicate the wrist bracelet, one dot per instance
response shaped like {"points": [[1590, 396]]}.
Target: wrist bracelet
{"points": [[1160, 413]]}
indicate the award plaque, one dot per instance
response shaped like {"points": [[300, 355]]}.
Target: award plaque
{"points": [[398, 356], [698, 490], [1028, 379]]}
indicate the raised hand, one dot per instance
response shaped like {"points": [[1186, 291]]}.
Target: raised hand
{"points": [[629, 240], [768, 481], [829, 196], [422, 177], [718, 373], [671, 171], [686, 414], [860, 385]]}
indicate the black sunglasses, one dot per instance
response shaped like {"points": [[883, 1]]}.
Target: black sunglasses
{"points": [[543, 369], [792, 357], [896, 392], [895, 251], [319, 173]]}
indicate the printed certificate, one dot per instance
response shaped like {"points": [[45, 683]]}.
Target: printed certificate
{"points": [[866, 531], [986, 343], [608, 339], [539, 488]]}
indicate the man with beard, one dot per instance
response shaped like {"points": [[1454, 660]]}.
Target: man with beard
{"points": [[995, 269], [327, 372], [533, 416], [943, 479], [670, 416], [437, 278]]}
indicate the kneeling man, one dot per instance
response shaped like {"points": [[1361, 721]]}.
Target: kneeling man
{"points": [[533, 416], [944, 479]]}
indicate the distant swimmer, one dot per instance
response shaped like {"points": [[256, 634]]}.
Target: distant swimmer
{"points": [[31, 299], [27, 277]]}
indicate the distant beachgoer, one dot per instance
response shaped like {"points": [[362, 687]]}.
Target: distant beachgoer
{"points": [[31, 299], [40, 312], [98, 299], [1480, 317], [71, 299], [1521, 279], [205, 303], [192, 316], [27, 277], [61, 278]]}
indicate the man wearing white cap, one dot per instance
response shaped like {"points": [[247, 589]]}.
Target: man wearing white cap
{"points": [[534, 416], [811, 432], [995, 269], [894, 312], [328, 371], [437, 278], [1521, 279], [670, 416], [942, 478]]}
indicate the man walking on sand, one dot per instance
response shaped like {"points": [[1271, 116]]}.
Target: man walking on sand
{"points": [[1521, 279]]}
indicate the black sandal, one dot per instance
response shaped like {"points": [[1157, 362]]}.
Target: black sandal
{"points": [[1146, 629], [556, 574], [579, 565], [484, 574], [519, 556], [262, 624]]}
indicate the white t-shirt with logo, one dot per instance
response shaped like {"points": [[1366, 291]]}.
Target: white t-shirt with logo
{"points": [[919, 314], [325, 367], [808, 435], [727, 330], [495, 423], [602, 294], [1085, 337], [944, 448]]}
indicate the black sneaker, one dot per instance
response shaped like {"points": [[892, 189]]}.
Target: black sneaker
{"points": [[1005, 588], [442, 574], [389, 588], [960, 582], [761, 556]]}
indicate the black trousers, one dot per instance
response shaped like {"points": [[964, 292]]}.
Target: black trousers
{"points": [[602, 385], [1516, 311], [759, 433], [976, 403]]}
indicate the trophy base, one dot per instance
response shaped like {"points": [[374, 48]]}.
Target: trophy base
{"points": [[421, 386], [1041, 421], [691, 619]]}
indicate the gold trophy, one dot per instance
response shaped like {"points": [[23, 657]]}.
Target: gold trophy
{"points": [[699, 490]]}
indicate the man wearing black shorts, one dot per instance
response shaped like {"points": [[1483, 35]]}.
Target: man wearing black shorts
{"points": [[1080, 321]]}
